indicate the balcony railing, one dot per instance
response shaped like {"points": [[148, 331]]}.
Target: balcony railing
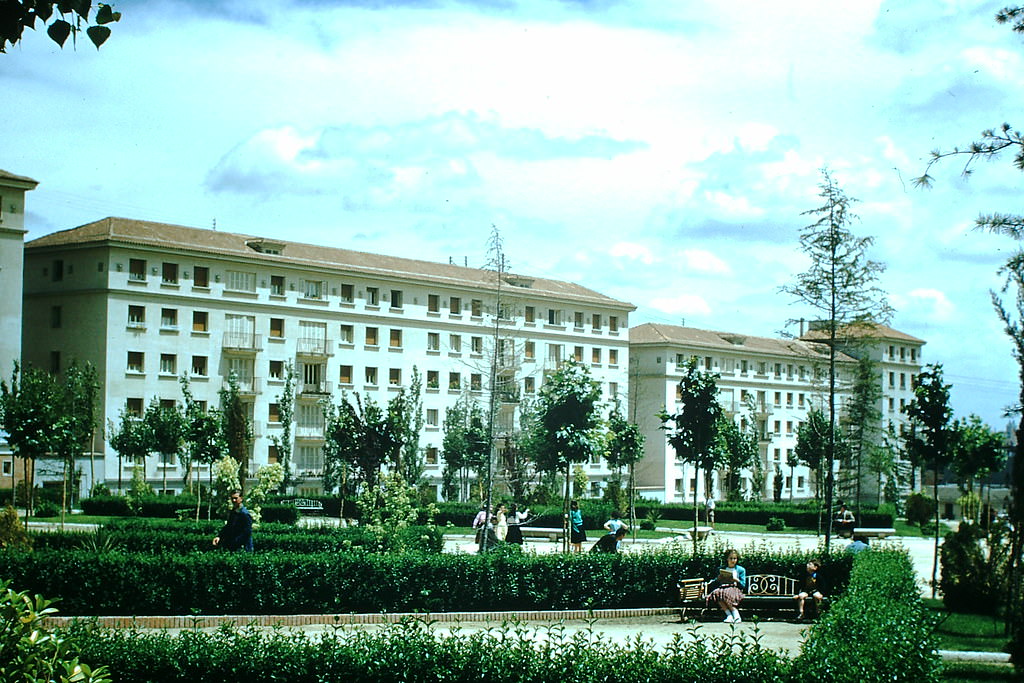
{"points": [[314, 347], [315, 388], [243, 341], [246, 385], [309, 431]]}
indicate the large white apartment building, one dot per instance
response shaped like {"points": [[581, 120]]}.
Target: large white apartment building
{"points": [[780, 378], [147, 302]]}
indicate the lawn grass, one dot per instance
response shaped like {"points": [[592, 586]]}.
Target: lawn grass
{"points": [[969, 632], [977, 672]]}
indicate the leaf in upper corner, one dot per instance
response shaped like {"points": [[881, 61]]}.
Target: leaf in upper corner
{"points": [[98, 35], [59, 31]]}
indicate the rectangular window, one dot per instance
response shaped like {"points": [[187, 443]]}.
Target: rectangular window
{"points": [[454, 381], [529, 385], [277, 285], [277, 328], [58, 270], [529, 350], [476, 382], [136, 361], [778, 398], [613, 357], [778, 427], [433, 341], [613, 389], [200, 276], [273, 455], [313, 289], [789, 426], [395, 377], [347, 293], [455, 343], [554, 354], [476, 307], [433, 303], [55, 316], [200, 321], [595, 321], [800, 400], [200, 366], [554, 317], [530, 315], [455, 305], [274, 412], [431, 455], [432, 417], [476, 345], [241, 281], [595, 356], [577, 320], [169, 274], [371, 336], [133, 406], [347, 334], [395, 341], [345, 374], [903, 380], [137, 270], [54, 362], [396, 298], [433, 379], [168, 364], [169, 318], [577, 354], [372, 296], [276, 370], [371, 377], [789, 399], [613, 324]]}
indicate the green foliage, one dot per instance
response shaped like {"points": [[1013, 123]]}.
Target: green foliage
{"points": [[225, 480], [465, 447], [361, 436], [45, 508], [932, 434], [775, 524], [12, 531], [107, 505], [62, 18], [919, 508], [976, 568], [413, 650], [877, 630], [565, 428], [286, 416], [32, 653], [235, 425], [281, 582], [268, 478], [389, 511]]}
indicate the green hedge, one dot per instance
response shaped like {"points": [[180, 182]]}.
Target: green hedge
{"points": [[92, 583], [877, 630]]}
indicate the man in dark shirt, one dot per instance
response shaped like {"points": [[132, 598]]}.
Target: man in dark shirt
{"points": [[609, 543], [237, 532]]}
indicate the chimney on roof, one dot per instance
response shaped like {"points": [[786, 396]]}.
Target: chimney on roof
{"points": [[801, 327]]}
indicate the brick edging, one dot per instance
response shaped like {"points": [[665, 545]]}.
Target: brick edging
{"points": [[296, 620]]}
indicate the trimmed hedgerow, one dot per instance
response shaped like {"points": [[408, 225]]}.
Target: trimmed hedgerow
{"points": [[91, 583], [412, 651], [877, 630]]}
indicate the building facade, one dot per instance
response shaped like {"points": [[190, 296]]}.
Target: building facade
{"points": [[12, 248], [148, 302]]}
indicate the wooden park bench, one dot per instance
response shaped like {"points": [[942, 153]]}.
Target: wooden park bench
{"points": [[765, 593], [552, 534], [870, 532], [306, 506]]}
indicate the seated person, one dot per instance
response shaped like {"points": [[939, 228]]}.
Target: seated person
{"points": [[726, 590], [812, 587], [858, 544], [609, 543], [845, 521]]}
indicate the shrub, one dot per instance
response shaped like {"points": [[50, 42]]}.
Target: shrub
{"points": [[113, 506], [46, 509], [775, 524], [919, 508], [12, 531], [975, 568], [275, 512], [877, 630], [928, 529]]}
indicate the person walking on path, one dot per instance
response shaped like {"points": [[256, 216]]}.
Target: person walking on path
{"points": [[237, 532], [709, 511], [515, 524], [479, 522], [501, 524], [576, 533]]}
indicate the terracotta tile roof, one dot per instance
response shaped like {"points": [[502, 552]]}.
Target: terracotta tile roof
{"points": [[691, 337], [864, 330], [233, 245], [4, 175]]}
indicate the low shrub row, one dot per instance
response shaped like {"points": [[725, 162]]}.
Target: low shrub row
{"points": [[170, 507], [122, 583]]}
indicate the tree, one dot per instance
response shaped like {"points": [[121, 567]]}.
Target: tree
{"points": [[76, 421], [203, 438], [406, 411], [814, 440], [236, 425], [166, 424], [30, 405], [286, 414], [931, 436], [840, 286], [625, 448], [62, 18], [565, 427], [464, 446], [739, 450], [131, 439], [863, 419], [977, 452], [362, 435], [693, 430]]}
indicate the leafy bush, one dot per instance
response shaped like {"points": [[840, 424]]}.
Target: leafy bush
{"points": [[920, 509], [46, 509], [113, 506], [417, 652], [29, 651], [275, 512], [775, 524], [331, 582], [975, 568], [928, 529], [12, 531], [877, 630]]}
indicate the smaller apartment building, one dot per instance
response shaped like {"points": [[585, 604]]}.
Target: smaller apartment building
{"points": [[782, 379], [148, 302]]}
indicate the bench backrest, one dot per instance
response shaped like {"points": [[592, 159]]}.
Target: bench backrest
{"points": [[691, 589], [770, 584]]}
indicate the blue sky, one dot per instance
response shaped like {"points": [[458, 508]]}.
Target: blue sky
{"points": [[659, 152]]}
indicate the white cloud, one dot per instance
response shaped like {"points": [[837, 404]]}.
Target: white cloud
{"points": [[939, 307], [632, 252], [703, 261], [690, 304]]}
